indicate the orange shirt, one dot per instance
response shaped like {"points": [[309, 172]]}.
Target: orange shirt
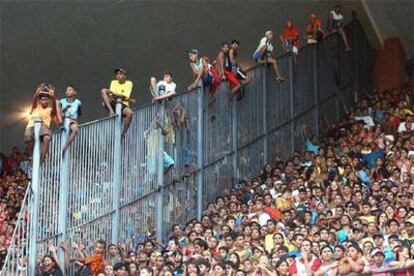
{"points": [[313, 26], [274, 213], [97, 263]]}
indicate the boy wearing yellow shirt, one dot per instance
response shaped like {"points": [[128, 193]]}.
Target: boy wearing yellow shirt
{"points": [[44, 107], [120, 88]]}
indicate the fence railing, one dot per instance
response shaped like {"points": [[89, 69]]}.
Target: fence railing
{"points": [[115, 189]]}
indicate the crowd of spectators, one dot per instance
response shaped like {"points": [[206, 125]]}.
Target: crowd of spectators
{"points": [[343, 206], [14, 171]]}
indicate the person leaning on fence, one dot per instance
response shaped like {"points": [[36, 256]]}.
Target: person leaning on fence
{"points": [[314, 32], [264, 54], [71, 109], [164, 89], [202, 70], [120, 88], [223, 68], [44, 107], [336, 24]]}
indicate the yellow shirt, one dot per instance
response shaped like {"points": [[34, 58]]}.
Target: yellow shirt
{"points": [[122, 89], [45, 114]]}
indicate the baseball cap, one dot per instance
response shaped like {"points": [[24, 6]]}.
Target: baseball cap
{"points": [[377, 251], [193, 51]]}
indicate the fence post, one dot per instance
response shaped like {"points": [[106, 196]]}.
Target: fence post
{"points": [[292, 104], [315, 87], [355, 52], [234, 146], [264, 109], [160, 175], [34, 208], [200, 151], [63, 190], [116, 188]]}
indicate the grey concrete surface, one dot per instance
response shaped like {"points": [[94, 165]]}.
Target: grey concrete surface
{"points": [[81, 42]]}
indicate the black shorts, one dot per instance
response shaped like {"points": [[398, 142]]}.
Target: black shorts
{"points": [[113, 105], [241, 75]]}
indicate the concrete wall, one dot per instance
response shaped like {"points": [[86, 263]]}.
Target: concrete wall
{"points": [[81, 42]]}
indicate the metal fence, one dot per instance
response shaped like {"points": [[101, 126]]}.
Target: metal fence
{"points": [[115, 189]]}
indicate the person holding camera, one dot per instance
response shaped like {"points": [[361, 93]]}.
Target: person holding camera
{"points": [[45, 107]]}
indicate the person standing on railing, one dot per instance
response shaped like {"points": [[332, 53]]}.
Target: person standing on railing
{"points": [[44, 107], [336, 24], [120, 88], [71, 109], [223, 66], [264, 54]]}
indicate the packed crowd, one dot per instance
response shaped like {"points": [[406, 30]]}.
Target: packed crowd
{"points": [[14, 171], [343, 206]]}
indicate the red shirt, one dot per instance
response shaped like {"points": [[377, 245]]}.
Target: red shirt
{"points": [[298, 265], [293, 35]]}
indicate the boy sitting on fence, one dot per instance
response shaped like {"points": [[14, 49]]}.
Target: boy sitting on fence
{"points": [[71, 109], [45, 108]]}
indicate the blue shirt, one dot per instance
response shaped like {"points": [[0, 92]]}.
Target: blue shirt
{"points": [[74, 111], [311, 147], [370, 158]]}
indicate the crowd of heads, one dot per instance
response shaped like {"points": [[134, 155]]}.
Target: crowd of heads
{"points": [[14, 171], [343, 206]]}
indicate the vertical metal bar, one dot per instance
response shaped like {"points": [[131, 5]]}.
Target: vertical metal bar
{"points": [[356, 56], [292, 104], [117, 174], [315, 87], [63, 190], [234, 140], [264, 109], [35, 203], [160, 175], [200, 152]]}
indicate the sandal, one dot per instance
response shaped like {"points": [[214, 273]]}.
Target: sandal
{"points": [[280, 80]]}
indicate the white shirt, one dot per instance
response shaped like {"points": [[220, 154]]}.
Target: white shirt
{"points": [[337, 16], [369, 122], [401, 127], [263, 42], [263, 218], [169, 87]]}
